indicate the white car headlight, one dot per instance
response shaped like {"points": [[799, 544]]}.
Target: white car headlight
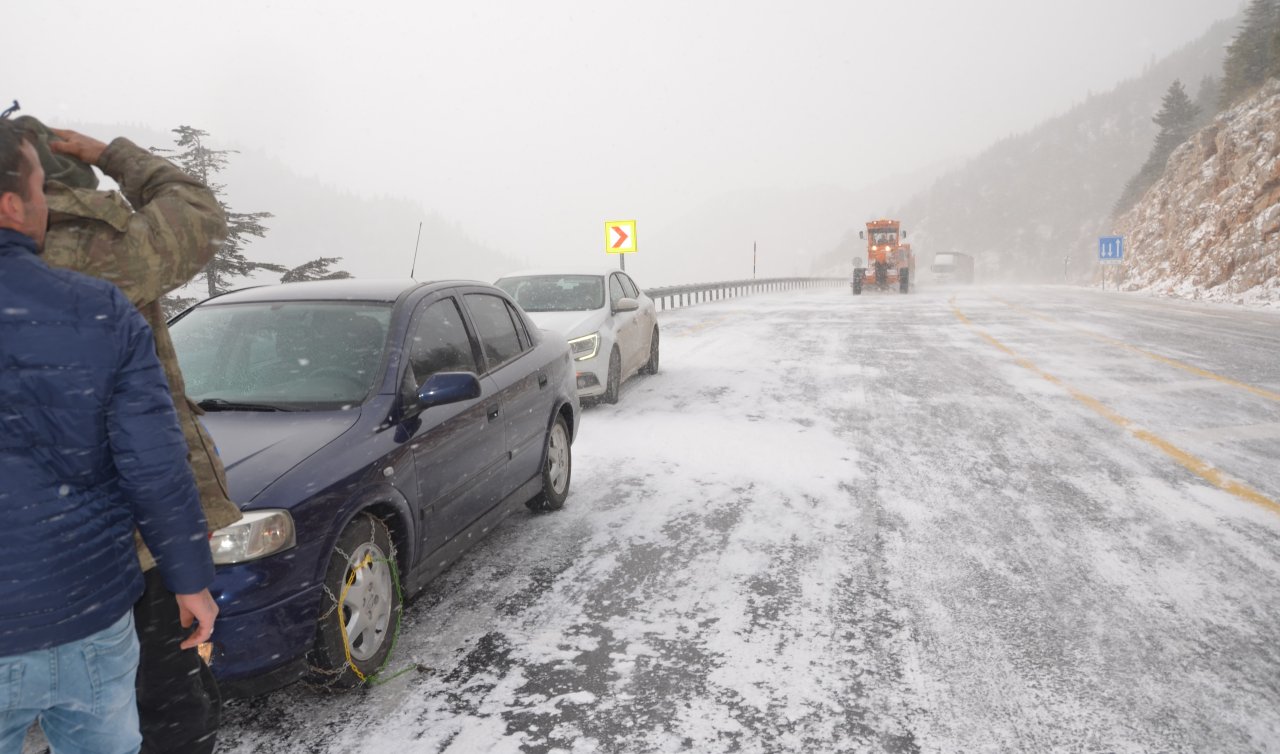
{"points": [[257, 535], [585, 347]]}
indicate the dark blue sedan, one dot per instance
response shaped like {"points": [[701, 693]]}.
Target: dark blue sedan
{"points": [[372, 431]]}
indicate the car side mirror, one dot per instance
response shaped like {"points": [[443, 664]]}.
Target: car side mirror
{"points": [[862, 234], [626, 305], [448, 387], [904, 234]]}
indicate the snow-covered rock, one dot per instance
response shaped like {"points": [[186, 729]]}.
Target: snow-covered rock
{"points": [[1210, 227]]}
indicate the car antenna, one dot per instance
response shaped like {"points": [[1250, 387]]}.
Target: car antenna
{"points": [[414, 266]]}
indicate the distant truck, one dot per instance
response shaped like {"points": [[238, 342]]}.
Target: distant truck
{"points": [[952, 267], [889, 263]]}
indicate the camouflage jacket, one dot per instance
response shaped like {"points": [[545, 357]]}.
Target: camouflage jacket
{"points": [[158, 240]]}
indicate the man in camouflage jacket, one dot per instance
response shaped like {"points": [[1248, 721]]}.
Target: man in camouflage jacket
{"points": [[168, 230]]}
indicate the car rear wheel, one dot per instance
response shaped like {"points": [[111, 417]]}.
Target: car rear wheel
{"points": [[651, 367], [361, 610], [556, 469], [614, 381]]}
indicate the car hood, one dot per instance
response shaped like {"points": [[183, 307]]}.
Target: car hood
{"points": [[257, 448], [569, 324]]}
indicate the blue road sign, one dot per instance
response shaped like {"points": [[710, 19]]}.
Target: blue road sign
{"points": [[1111, 249]]}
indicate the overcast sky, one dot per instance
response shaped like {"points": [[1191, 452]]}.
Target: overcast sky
{"points": [[532, 123]]}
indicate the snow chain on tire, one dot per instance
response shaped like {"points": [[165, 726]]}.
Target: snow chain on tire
{"points": [[335, 602]]}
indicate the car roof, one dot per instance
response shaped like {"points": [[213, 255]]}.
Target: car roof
{"points": [[350, 289], [541, 272]]}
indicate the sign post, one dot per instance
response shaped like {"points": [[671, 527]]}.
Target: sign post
{"points": [[1110, 252], [620, 239]]}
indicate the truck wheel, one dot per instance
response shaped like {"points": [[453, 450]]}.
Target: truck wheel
{"points": [[904, 280], [858, 275]]}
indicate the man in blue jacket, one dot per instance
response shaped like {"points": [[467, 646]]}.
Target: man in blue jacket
{"points": [[90, 448]]}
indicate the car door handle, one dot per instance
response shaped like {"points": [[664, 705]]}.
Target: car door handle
{"points": [[542, 380], [493, 413]]}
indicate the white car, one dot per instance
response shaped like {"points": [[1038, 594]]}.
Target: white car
{"points": [[611, 325]]}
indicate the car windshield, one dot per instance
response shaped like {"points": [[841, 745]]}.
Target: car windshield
{"points": [[555, 293], [294, 355], [943, 262]]}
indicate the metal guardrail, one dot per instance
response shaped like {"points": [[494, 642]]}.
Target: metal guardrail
{"points": [[687, 295]]}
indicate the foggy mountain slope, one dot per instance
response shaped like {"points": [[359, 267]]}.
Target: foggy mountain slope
{"points": [[1032, 199], [1210, 227], [312, 218], [714, 241], [792, 228]]}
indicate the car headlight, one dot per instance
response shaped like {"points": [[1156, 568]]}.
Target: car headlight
{"points": [[585, 347], [257, 535]]}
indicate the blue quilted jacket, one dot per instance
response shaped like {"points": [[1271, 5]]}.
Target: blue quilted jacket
{"points": [[89, 447]]}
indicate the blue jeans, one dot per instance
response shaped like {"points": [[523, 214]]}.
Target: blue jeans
{"points": [[81, 692]]}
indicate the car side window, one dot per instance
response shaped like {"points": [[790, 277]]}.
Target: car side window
{"points": [[439, 342], [629, 286], [522, 328], [499, 338], [616, 293]]}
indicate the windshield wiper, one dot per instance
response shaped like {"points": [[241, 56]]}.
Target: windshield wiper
{"points": [[220, 404]]}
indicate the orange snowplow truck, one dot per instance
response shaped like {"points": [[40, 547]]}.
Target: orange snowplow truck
{"points": [[889, 261]]}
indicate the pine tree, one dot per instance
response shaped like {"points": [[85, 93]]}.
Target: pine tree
{"points": [[316, 269], [1208, 97], [173, 305], [204, 163], [230, 261], [1252, 55], [1274, 71], [1177, 120]]}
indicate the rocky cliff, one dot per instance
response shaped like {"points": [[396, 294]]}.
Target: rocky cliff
{"points": [[1031, 207], [1210, 227]]}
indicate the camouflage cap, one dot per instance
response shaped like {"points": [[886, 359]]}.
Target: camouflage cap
{"points": [[57, 167]]}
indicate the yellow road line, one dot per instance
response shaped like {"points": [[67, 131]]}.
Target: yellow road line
{"points": [[1188, 461], [705, 324], [1197, 371]]}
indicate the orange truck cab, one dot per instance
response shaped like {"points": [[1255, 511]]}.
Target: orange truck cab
{"points": [[889, 262]]}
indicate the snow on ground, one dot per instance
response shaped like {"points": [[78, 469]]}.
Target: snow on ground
{"points": [[854, 524], [836, 523]]}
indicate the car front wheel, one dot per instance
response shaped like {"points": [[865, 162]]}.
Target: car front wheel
{"points": [[614, 380], [556, 469], [361, 608], [651, 367]]}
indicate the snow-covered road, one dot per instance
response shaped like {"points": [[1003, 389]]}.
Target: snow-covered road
{"points": [[1022, 519]]}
